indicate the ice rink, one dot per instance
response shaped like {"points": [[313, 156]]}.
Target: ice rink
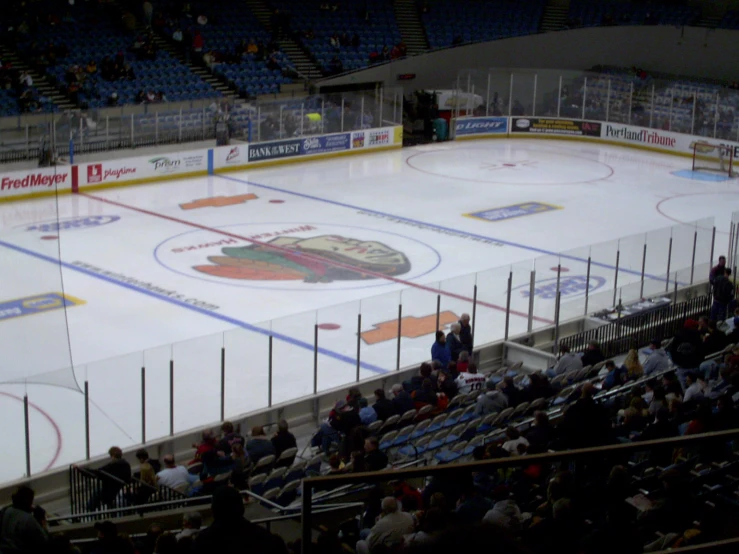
{"points": [[178, 270]]}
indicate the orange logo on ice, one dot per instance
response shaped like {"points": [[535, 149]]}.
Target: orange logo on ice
{"points": [[410, 327], [218, 201]]}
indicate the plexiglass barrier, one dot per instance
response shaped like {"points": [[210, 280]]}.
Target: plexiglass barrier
{"points": [[613, 95], [140, 396]]}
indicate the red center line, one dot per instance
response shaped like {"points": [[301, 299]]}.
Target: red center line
{"points": [[314, 258]]}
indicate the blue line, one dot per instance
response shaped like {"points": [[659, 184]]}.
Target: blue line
{"points": [[235, 322], [433, 225]]}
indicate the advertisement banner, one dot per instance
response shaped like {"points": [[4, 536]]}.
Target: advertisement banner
{"points": [[326, 144], [548, 126], [379, 137], [275, 150], [480, 126], [225, 156], [141, 168], [48, 179]]}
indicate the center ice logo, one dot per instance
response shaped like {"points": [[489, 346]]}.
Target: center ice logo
{"points": [[297, 256], [574, 285]]}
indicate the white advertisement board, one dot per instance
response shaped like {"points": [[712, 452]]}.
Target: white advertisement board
{"points": [[142, 168], [35, 181], [656, 138]]}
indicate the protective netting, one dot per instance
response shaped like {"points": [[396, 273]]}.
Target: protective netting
{"points": [[34, 300]]}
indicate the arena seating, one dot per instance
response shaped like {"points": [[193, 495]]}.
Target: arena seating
{"points": [[375, 28], [229, 29], [594, 13], [89, 34], [448, 23], [730, 20]]}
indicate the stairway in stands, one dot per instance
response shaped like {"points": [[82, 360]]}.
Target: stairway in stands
{"points": [[555, 16], [411, 27], [300, 57], [39, 79]]}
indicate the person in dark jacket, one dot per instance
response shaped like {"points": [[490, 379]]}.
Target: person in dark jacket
{"points": [[454, 342], [283, 440], [20, 532], [383, 407], [723, 294], [230, 533], [465, 333], [415, 382], [427, 394], [592, 355], [259, 445], [402, 401], [508, 388], [541, 435], [686, 349], [229, 438], [374, 458], [114, 476], [586, 423], [439, 350]]}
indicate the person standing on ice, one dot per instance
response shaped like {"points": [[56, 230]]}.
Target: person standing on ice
{"points": [[439, 350]]}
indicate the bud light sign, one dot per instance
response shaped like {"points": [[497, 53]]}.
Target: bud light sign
{"points": [[481, 126]]}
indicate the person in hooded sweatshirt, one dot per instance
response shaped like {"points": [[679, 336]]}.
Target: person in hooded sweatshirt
{"points": [[657, 361], [20, 533]]}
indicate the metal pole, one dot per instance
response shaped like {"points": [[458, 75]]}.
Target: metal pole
{"points": [[536, 81], [675, 292], [302, 119], [713, 245], [631, 100], [282, 109], [692, 118], [584, 96], [651, 110], [132, 130], [143, 405], [359, 343], [643, 268], [400, 333], [323, 115], [179, 127], [557, 304], [223, 382], [510, 95], [259, 123], [438, 310], [487, 97], [28, 435], [342, 114], [587, 287], [474, 312], [315, 359], [171, 397], [203, 123], [269, 372], [559, 96], [692, 261], [87, 421], [306, 546], [672, 100], [669, 261], [361, 113], [107, 131], [156, 127], [382, 101], [736, 242], [608, 100], [508, 304], [532, 291], [715, 118], [615, 276]]}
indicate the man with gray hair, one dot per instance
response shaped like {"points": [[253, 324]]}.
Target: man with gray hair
{"points": [[401, 400], [454, 341], [465, 333], [391, 527], [191, 524]]}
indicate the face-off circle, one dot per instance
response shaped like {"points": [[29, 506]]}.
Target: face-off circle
{"points": [[297, 256], [510, 164]]}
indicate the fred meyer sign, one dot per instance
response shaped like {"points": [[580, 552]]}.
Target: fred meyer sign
{"points": [[24, 182], [481, 126]]}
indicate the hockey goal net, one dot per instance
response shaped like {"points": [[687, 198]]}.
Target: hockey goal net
{"points": [[713, 157]]}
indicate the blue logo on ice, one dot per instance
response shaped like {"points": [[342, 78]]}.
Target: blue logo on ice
{"points": [[30, 305], [574, 285], [515, 210], [72, 223], [481, 126]]}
